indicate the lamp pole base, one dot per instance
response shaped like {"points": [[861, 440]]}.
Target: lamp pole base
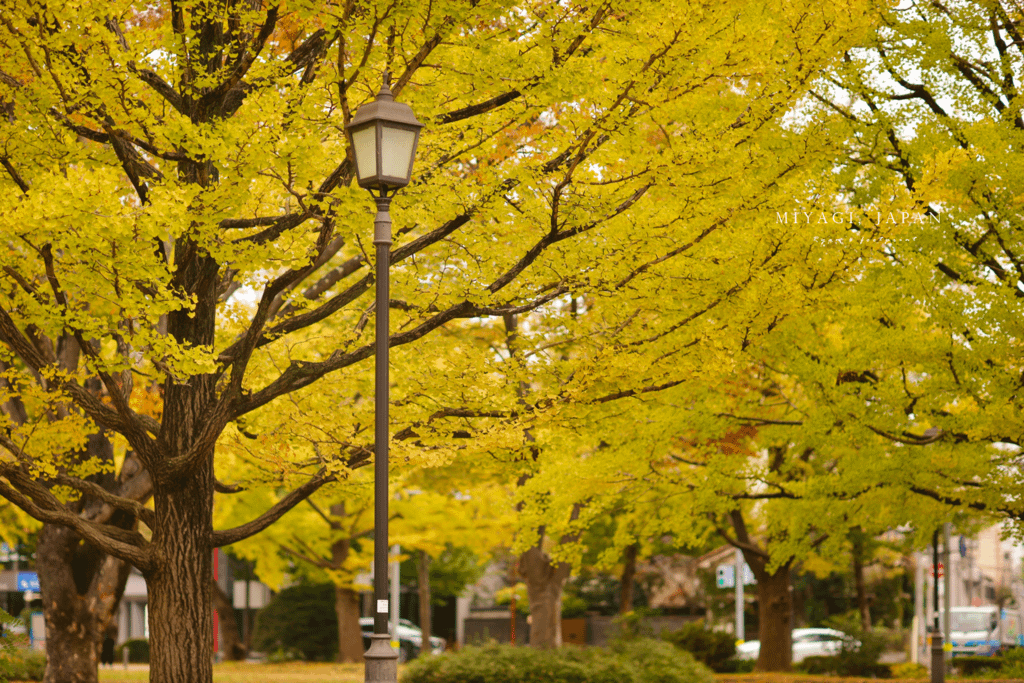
{"points": [[381, 660], [938, 658]]}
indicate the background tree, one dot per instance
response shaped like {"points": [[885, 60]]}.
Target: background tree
{"points": [[177, 204]]}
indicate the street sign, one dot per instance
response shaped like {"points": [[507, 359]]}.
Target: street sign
{"points": [[28, 581], [748, 575], [941, 570], [726, 576], [963, 547]]}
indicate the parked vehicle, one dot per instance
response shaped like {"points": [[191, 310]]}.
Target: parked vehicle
{"points": [[807, 642], [410, 639], [984, 630]]}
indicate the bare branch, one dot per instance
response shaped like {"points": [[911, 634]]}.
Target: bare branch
{"points": [[229, 536]]}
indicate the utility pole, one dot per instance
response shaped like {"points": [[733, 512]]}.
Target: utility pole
{"points": [[947, 590], [919, 614], [740, 626]]}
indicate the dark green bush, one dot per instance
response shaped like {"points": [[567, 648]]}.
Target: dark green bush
{"points": [[971, 665], [634, 661], [656, 661], [138, 651], [22, 665], [860, 651], [736, 666], [838, 665], [711, 648], [299, 619]]}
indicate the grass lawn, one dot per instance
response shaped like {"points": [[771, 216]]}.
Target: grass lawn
{"points": [[296, 672], [809, 678], [303, 672]]}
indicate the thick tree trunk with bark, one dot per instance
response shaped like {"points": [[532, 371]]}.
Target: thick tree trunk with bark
{"points": [[423, 586], [81, 586], [775, 605], [66, 568], [350, 636], [180, 588], [626, 580], [858, 553], [346, 600], [774, 600], [544, 582]]}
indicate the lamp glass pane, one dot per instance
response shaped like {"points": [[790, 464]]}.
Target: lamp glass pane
{"points": [[365, 143], [396, 146]]}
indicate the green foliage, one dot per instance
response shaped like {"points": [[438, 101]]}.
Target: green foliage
{"points": [[450, 572], [860, 651], [1009, 665], [978, 665], [711, 648], [634, 624], [21, 664], [299, 619], [6, 639], [909, 670], [637, 661], [1013, 664], [138, 651], [737, 666]]}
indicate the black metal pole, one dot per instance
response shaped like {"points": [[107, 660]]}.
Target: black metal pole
{"points": [[938, 654], [381, 658]]}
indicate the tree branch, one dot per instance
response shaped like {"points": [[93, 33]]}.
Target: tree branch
{"points": [[229, 536]]}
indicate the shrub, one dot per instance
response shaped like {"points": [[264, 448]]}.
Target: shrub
{"points": [[138, 651], [659, 662], [22, 665], [909, 670], [301, 619], [712, 648], [971, 664], [861, 659], [737, 666], [633, 661], [838, 665]]}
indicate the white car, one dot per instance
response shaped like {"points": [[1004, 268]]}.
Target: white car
{"points": [[410, 639], [807, 642]]}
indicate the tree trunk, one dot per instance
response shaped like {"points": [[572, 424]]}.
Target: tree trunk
{"points": [[775, 605], [423, 583], [350, 635], [544, 582], [234, 648], [181, 588], [857, 552], [346, 600], [81, 586], [626, 581], [66, 568]]}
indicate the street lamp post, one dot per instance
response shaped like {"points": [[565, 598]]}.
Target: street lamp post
{"points": [[384, 135], [938, 653]]}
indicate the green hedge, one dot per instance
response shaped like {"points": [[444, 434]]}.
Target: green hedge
{"points": [[22, 665], [138, 651], [840, 665], [300, 620], [711, 648], [636, 661], [972, 664]]}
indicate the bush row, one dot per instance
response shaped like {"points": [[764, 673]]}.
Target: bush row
{"points": [[634, 661], [22, 665]]}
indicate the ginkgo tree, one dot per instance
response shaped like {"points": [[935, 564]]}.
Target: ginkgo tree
{"points": [[928, 339], [329, 537], [184, 254]]}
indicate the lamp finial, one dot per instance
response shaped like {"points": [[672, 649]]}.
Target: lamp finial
{"points": [[385, 94]]}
